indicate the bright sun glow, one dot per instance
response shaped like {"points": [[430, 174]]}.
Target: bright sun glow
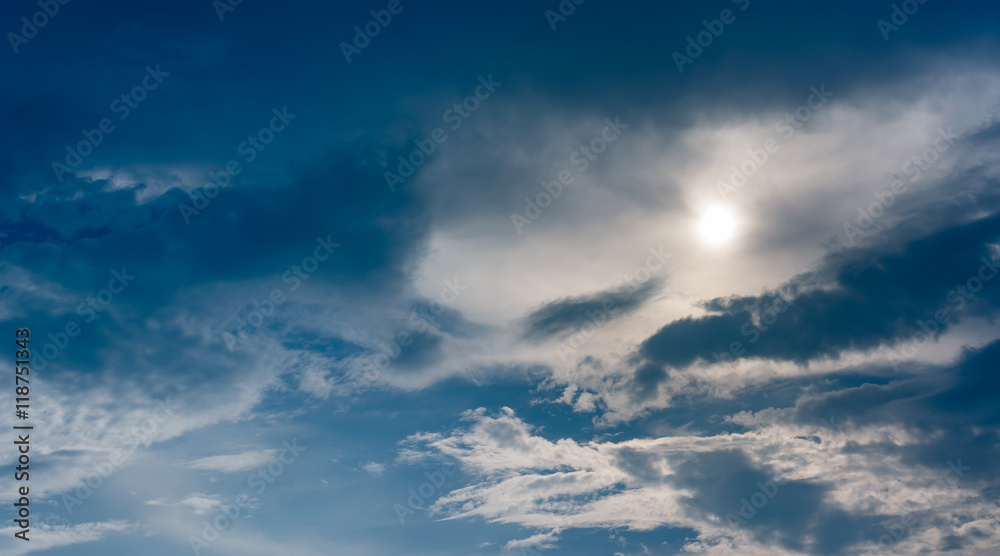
{"points": [[717, 225]]}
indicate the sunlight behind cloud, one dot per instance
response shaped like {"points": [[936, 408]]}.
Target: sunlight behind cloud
{"points": [[717, 225]]}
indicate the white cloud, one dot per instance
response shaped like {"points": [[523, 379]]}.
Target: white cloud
{"points": [[541, 541], [522, 478], [234, 463], [44, 537], [200, 504], [373, 468]]}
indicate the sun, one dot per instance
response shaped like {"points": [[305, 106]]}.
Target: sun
{"points": [[717, 225]]}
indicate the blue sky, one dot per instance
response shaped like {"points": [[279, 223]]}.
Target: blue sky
{"points": [[504, 277]]}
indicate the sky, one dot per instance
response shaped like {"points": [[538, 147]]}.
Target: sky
{"points": [[501, 278]]}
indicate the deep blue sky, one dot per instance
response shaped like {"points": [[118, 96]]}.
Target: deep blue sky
{"points": [[619, 305]]}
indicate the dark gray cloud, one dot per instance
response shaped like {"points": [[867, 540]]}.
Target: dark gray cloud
{"points": [[446, 319], [568, 314], [955, 407], [797, 515], [852, 311], [323, 177], [646, 382], [424, 349], [243, 233]]}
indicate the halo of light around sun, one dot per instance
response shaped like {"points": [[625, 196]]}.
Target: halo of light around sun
{"points": [[717, 225]]}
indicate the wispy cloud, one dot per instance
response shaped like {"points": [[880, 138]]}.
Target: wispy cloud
{"points": [[234, 463]]}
